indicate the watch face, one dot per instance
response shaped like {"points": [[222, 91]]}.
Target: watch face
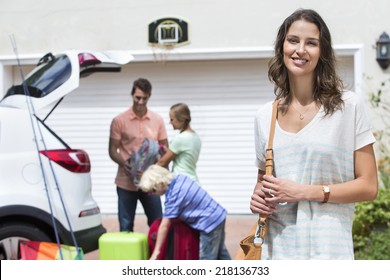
{"points": [[326, 189]]}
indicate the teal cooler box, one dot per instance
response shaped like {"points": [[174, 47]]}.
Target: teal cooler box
{"points": [[123, 246]]}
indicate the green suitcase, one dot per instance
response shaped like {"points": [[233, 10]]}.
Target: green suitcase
{"points": [[123, 246]]}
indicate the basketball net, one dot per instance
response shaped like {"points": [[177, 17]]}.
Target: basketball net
{"points": [[161, 52]]}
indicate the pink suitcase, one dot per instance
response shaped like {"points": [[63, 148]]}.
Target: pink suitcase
{"points": [[182, 242]]}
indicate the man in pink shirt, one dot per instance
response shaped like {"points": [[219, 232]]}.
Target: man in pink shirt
{"points": [[127, 132]]}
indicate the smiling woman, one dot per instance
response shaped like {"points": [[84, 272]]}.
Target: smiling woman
{"points": [[301, 48], [323, 148]]}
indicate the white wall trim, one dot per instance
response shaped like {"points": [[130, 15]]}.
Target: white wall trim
{"points": [[232, 53], [2, 86], [357, 51], [186, 54], [196, 54], [203, 54], [10, 60]]}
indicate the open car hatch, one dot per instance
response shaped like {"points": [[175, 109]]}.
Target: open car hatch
{"points": [[58, 75]]}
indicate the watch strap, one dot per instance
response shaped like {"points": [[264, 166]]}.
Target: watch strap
{"points": [[326, 191]]}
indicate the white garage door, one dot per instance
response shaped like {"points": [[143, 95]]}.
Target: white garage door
{"points": [[223, 97]]}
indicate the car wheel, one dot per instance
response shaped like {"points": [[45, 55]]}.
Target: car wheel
{"points": [[12, 233]]}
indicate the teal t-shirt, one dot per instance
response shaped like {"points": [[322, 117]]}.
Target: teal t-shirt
{"points": [[186, 146]]}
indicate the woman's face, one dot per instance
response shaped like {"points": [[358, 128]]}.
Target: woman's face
{"points": [[301, 48], [174, 121]]}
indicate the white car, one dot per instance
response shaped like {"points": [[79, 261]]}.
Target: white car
{"points": [[45, 185]]}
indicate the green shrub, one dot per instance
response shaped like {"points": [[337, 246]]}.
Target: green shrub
{"points": [[371, 227], [377, 246]]}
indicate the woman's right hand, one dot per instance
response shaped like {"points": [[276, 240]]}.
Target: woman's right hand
{"points": [[258, 204]]}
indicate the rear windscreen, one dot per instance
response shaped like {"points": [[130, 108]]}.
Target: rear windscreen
{"points": [[45, 78]]}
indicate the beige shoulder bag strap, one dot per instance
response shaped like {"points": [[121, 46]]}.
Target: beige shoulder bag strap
{"points": [[262, 226], [251, 245]]}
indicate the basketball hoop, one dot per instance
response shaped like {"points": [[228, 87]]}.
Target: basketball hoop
{"points": [[165, 34]]}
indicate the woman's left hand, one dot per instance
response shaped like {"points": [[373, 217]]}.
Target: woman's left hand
{"points": [[282, 190]]}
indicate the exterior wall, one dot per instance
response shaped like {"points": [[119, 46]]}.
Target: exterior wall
{"points": [[41, 25]]}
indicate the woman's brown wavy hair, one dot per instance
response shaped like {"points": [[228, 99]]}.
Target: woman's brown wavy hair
{"points": [[327, 85]]}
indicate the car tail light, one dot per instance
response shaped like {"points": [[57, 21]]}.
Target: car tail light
{"points": [[87, 59], [76, 161], [89, 212]]}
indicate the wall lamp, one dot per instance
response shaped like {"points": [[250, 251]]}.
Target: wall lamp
{"points": [[383, 51]]}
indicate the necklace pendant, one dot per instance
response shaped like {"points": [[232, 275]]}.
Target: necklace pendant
{"points": [[301, 117]]}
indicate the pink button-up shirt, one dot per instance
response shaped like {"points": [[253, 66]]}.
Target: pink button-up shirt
{"points": [[131, 130]]}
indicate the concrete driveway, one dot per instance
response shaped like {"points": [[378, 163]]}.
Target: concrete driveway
{"points": [[237, 226]]}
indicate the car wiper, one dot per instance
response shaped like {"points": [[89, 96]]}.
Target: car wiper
{"points": [[46, 58]]}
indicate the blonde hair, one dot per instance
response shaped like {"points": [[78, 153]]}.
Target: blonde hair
{"points": [[154, 178], [182, 113]]}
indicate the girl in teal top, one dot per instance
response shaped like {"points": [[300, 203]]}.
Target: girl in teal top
{"points": [[185, 148]]}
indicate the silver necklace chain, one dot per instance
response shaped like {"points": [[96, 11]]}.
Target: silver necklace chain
{"points": [[301, 115]]}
